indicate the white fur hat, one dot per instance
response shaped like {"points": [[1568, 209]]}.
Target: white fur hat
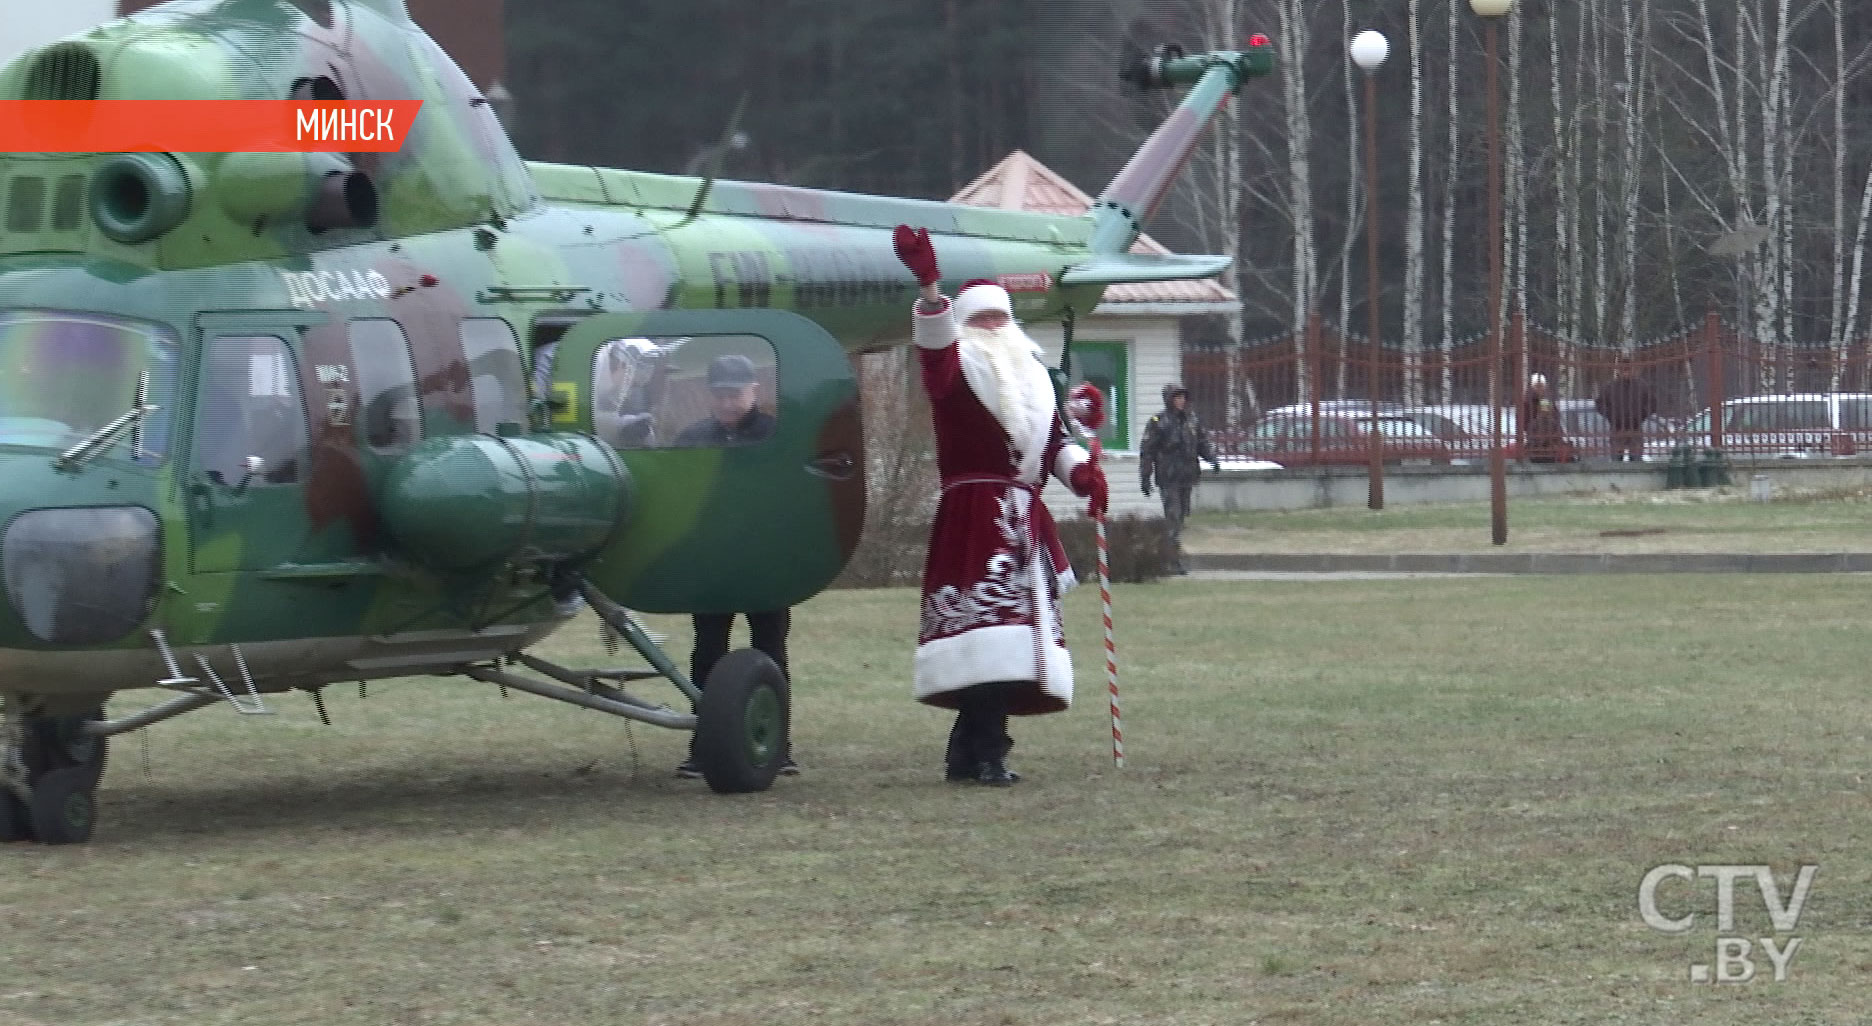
{"points": [[980, 295]]}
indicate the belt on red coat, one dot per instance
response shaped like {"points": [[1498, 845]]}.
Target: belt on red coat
{"points": [[1006, 482]]}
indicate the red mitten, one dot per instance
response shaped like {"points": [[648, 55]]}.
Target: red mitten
{"points": [[914, 249], [1087, 405], [1089, 481]]}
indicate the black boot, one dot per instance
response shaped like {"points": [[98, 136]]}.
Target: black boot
{"points": [[959, 759], [994, 772]]}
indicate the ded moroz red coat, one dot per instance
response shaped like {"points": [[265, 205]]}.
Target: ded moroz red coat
{"points": [[995, 570]]}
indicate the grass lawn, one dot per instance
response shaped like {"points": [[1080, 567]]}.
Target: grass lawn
{"points": [[1713, 520], [1348, 802]]}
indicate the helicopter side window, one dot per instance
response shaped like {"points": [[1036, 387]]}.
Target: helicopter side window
{"points": [[495, 377], [251, 426], [386, 382], [711, 391], [66, 376]]}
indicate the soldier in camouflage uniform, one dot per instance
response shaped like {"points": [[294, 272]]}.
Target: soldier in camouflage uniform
{"points": [[1175, 446]]}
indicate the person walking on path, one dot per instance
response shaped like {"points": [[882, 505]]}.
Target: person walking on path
{"points": [[1174, 450]]}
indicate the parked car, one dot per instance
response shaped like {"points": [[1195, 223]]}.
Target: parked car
{"points": [[1590, 433], [1286, 438], [1465, 430], [1799, 425], [1346, 407]]}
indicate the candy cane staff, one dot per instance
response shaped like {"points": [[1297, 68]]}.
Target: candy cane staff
{"points": [[990, 644], [1086, 408]]}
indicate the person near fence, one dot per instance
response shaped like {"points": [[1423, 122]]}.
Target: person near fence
{"points": [[990, 644], [1542, 438], [1626, 402], [1175, 447]]}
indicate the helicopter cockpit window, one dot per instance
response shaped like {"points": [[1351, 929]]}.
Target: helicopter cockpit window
{"points": [[495, 377], [251, 428], [386, 383], [66, 376], [704, 392]]}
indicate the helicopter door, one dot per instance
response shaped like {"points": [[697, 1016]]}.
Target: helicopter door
{"points": [[741, 432], [251, 454]]}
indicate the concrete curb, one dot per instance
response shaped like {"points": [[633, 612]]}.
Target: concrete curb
{"points": [[1541, 563]]}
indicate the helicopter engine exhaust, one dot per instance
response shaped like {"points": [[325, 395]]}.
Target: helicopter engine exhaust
{"points": [[343, 200], [323, 188]]}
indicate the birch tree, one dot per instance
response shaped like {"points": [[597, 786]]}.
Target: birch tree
{"points": [[1414, 220], [1294, 38], [1453, 160], [1515, 259], [1838, 330], [1636, 27], [1355, 211]]}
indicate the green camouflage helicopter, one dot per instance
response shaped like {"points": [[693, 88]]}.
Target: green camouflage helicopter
{"points": [[270, 422]]}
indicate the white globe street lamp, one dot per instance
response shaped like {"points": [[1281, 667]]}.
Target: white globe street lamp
{"points": [[1491, 8], [1369, 50]]}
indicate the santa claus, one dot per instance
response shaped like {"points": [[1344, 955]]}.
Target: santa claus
{"points": [[990, 644]]}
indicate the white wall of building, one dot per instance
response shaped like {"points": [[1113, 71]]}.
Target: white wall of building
{"points": [[1154, 358], [25, 24]]}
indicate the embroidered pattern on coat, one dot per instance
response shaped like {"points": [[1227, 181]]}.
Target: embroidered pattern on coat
{"points": [[999, 597]]}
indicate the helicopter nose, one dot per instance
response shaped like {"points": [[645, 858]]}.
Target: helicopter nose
{"points": [[78, 576]]}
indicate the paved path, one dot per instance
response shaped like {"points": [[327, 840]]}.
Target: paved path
{"points": [[1537, 563], [1330, 575]]}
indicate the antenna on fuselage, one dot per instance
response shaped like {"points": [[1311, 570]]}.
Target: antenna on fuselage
{"points": [[711, 158]]}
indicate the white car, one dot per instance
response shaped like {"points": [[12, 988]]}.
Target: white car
{"points": [[1794, 426]]}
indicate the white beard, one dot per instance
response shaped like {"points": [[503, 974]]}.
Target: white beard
{"points": [[1003, 367]]}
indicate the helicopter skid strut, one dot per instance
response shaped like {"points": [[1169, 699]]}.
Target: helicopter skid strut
{"points": [[591, 694]]}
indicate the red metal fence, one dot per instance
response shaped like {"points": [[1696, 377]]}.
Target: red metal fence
{"points": [[1306, 398]]}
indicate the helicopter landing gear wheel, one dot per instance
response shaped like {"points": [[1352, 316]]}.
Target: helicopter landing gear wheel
{"points": [[49, 772], [60, 742], [741, 723], [63, 809], [15, 818], [18, 755]]}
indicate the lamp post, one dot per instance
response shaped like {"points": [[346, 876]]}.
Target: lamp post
{"points": [[1491, 11], [1369, 50]]}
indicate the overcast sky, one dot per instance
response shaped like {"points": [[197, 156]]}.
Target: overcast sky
{"points": [[25, 24]]}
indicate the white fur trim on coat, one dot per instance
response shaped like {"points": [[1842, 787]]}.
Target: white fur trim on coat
{"points": [[1070, 458], [977, 298], [935, 330], [989, 654], [1004, 652]]}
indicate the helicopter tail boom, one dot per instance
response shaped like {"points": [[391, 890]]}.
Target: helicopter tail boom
{"points": [[1138, 190]]}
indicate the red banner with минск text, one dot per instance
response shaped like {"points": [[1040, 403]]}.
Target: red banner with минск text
{"points": [[205, 126]]}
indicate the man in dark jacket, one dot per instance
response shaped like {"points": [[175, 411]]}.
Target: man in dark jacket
{"points": [[1174, 449], [1626, 402], [734, 419]]}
